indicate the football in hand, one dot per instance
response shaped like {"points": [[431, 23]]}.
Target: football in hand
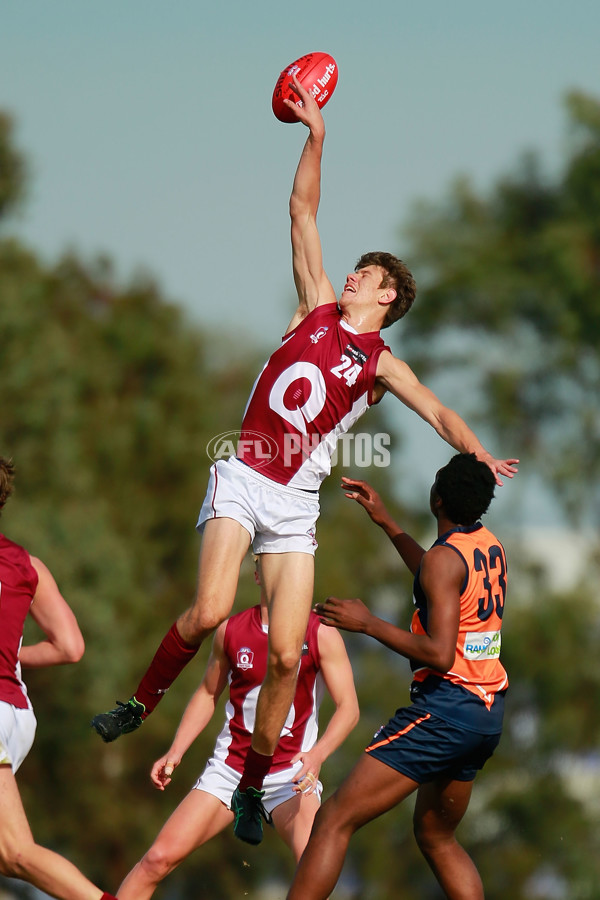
{"points": [[316, 72]]}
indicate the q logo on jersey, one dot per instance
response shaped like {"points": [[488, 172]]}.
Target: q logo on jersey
{"points": [[319, 333], [299, 403], [245, 658]]}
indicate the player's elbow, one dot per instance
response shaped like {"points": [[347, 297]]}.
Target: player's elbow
{"points": [[73, 649], [301, 211], [349, 712], [354, 715], [442, 661]]}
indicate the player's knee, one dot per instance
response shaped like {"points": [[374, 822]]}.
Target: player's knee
{"points": [[199, 621], [283, 663], [157, 863], [429, 840], [330, 818], [421, 835], [320, 820]]}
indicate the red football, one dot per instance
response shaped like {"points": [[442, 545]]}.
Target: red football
{"points": [[316, 72]]}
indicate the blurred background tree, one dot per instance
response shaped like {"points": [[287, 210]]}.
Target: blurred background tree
{"points": [[509, 297], [110, 399]]}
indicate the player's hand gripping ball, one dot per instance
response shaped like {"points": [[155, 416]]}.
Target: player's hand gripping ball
{"points": [[316, 72]]}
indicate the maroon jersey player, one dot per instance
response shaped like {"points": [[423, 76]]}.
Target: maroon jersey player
{"points": [[27, 588], [332, 366], [237, 665]]}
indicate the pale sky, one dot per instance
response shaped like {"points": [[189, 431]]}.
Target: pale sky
{"points": [[150, 136]]}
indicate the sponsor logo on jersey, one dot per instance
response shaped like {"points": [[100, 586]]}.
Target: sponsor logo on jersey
{"points": [[359, 356], [319, 333], [245, 658], [305, 649], [482, 645]]}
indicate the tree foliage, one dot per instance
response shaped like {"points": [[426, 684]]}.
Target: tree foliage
{"points": [[12, 170], [110, 399], [510, 282]]}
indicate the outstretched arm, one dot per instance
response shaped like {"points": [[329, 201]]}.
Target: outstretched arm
{"points": [[396, 376], [198, 712], [64, 642], [339, 681], [410, 551], [312, 284]]}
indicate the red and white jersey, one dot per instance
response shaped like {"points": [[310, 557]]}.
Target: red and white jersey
{"points": [[477, 665], [18, 584], [246, 645], [312, 390]]}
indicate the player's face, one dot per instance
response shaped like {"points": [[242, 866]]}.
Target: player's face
{"points": [[363, 286]]}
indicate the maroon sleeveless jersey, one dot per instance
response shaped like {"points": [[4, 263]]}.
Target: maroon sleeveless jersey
{"points": [[18, 584], [246, 647], [312, 390]]}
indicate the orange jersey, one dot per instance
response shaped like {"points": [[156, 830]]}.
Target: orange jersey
{"points": [[477, 665]]}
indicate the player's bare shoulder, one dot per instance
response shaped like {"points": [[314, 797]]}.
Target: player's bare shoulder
{"points": [[442, 567], [391, 370]]}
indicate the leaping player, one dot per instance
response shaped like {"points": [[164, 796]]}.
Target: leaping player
{"points": [[331, 366], [292, 787]]}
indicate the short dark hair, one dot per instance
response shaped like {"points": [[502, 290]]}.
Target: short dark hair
{"points": [[398, 276], [7, 475], [466, 488]]}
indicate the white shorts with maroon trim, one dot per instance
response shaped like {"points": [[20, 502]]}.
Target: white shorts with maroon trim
{"points": [[17, 731], [221, 780], [279, 519]]}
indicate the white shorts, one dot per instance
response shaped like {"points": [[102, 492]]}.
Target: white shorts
{"points": [[221, 780], [279, 519], [17, 731]]}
